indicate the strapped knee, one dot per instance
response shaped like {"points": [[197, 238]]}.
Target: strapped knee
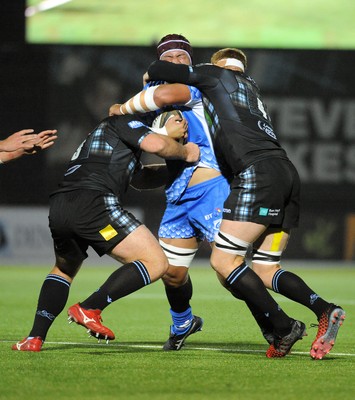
{"points": [[178, 256], [266, 257], [231, 244]]}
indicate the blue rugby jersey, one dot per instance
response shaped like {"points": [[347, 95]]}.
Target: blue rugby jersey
{"points": [[198, 132]]}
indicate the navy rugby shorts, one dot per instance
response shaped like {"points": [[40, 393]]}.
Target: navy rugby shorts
{"points": [[83, 218], [267, 193]]}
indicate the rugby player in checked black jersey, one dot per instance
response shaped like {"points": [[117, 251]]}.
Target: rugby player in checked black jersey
{"points": [[263, 206], [87, 210]]}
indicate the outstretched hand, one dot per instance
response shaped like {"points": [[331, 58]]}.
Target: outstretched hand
{"points": [[42, 141], [25, 142], [21, 140]]}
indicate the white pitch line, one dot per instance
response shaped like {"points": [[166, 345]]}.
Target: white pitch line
{"points": [[158, 347], [43, 6]]}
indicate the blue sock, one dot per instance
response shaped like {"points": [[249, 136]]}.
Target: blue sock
{"points": [[181, 321]]}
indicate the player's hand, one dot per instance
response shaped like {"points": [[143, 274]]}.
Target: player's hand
{"points": [[177, 127], [45, 139], [115, 110], [193, 152], [146, 78], [21, 140]]}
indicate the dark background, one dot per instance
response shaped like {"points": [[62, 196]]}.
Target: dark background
{"points": [[70, 88]]}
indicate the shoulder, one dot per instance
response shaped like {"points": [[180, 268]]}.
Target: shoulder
{"points": [[195, 93]]}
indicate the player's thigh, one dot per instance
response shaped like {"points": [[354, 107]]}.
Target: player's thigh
{"points": [[273, 239], [189, 243], [244, 230], [142, 245]]}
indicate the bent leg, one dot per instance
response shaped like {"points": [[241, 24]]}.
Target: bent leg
{"points": [[267, 254], [144, 263], [228, 260]]}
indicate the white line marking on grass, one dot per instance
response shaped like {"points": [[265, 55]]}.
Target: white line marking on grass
{"points": [[43, 6], [189, 347]]}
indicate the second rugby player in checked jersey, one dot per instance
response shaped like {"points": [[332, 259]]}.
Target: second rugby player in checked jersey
{"points": [[263, 205]]}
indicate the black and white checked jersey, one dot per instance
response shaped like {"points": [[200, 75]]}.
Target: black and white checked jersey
{"points": [[241, 127], [106, 160]]}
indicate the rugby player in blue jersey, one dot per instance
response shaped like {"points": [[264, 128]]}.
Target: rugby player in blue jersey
{"points": [[194, 200]]}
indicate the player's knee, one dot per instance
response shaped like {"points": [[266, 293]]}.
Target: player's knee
{"points": [[67, 267], [178, 256], [265, 264], [234, 248], [266, 257], [175, 276], [156, 266], [231, 244]]}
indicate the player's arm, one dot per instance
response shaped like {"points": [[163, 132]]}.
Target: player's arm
{"points": [[165, 147], [153, 98], [203, 76], [170, 72]]}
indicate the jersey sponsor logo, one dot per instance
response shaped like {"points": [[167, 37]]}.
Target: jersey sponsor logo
{"points": [[208, 216], [108, 232], [267, 129], [135, 124], [269, 212]]}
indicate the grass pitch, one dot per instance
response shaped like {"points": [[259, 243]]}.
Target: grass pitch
{"points": [[304, 24], [224, 361]]}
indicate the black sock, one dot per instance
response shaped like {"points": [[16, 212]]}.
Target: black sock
{"points": [[124, 281], [246, 284], [51, 301], [261, 319], [179, 297], [293, 287]]}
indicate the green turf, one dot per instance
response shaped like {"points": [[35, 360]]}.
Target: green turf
{"points": [[242, 23], [224, 361]]}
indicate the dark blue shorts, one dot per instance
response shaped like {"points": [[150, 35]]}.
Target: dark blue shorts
{"points": [[83, 218], [267, 193]]}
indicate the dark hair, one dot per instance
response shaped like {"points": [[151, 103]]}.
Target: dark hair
{"points": [[174, 41]]}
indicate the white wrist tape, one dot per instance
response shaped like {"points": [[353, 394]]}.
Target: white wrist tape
{"points": [[142, 102], [137, 103], [149, 98]]}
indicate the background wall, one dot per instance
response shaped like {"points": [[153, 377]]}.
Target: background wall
{"points": [[310, 95]]}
